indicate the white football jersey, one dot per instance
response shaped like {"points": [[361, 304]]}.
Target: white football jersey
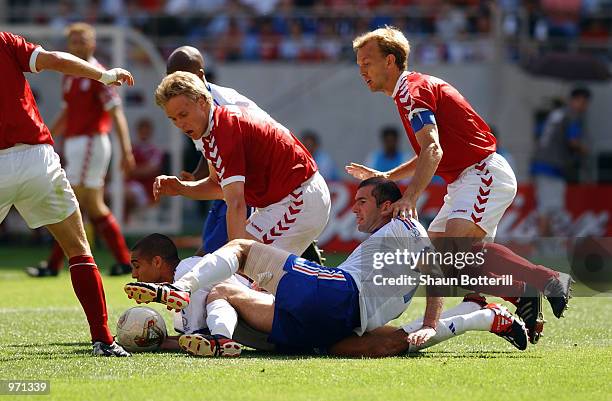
{"points": [[382, 301], [193, 318], [223, 96]]}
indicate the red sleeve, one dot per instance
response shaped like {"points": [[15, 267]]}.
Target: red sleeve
{"points": [[108, 96], [20, 48], [231, 165]]}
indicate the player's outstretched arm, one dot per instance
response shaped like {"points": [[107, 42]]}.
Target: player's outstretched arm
{"points": [[433, 310], [382, 342], [121, 127], [69, 64], [205, 189], [236, 210], [362, 172]]}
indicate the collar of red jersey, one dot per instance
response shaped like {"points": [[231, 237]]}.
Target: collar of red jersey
{"points": [[211, 121], [399, 81]]}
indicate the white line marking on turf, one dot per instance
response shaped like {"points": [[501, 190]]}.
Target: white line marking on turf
{"points": [[38, 310]]}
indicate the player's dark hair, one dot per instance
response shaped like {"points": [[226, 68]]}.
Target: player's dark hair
{"points": [[389, 130], [384, 189], [157, 245], [185, 58], [309, 134], [580, 92]]}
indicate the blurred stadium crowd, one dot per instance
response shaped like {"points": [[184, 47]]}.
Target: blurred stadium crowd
{"points": [[316, 30]]}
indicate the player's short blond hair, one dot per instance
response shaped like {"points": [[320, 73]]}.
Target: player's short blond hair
{"points": [[81, 28], [390, 41], [181, 83]]}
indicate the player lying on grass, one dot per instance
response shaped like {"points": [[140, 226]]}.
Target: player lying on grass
{"points": [[155, 259], [310, 297]]}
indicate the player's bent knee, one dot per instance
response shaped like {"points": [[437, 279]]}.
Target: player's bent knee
{"points": [[220, 291]]}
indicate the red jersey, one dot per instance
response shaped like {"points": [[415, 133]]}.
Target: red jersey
{"points": [[87, 102], [464, 136], [244, 145], [147, 154], [20, 121]]}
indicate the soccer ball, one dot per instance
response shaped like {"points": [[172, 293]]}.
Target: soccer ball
{"points": [[141, 329]]}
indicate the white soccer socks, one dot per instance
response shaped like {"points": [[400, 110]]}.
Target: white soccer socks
{"points": [[212, 269], [221, 318]]}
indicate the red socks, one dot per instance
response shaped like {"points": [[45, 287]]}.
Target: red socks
{"points": [[108, 228], [88, 288], [501, 260], [56, 259]]}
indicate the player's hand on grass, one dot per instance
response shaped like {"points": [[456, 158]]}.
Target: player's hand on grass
{"points": [[117, 77], [421, 336], [187, 176], [405, 207], [362, 172], [166, 185]]}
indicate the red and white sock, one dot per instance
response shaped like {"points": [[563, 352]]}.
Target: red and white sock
{"points": [[109, 229], [88, 288]]}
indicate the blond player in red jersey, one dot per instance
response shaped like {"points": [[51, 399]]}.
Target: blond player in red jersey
{"points": [[33, 180], [253, 160], [90, 109], [453, 141]]}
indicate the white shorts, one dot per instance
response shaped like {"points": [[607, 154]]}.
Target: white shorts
{"points": [[87, 160], [33, 180], [480, 194], [296, 220], [549, 194]]}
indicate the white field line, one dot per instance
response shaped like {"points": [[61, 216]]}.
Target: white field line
{"points": [[39, 310]]}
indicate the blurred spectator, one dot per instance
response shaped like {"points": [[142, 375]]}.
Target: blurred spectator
{"points": [[326, 165], [441, 30], [261, 7], [297, 46], [330, 45], [390, 156], [66, 14], [559, 151], [450, 21], [149, 164], [562, 17]]}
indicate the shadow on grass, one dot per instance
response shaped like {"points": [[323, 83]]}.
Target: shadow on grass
{"points": [[473, 355], [85, 350], [255, 354]]}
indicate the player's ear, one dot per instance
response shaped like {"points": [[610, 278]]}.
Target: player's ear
{"points": [[202, 102], [385, 208], [157, 262]]}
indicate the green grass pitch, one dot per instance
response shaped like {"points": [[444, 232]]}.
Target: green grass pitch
{"points": [[43, 335]]}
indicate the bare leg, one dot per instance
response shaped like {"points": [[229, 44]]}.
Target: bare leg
{"points": [[84, 274], [254, 307], [70, 234]]}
